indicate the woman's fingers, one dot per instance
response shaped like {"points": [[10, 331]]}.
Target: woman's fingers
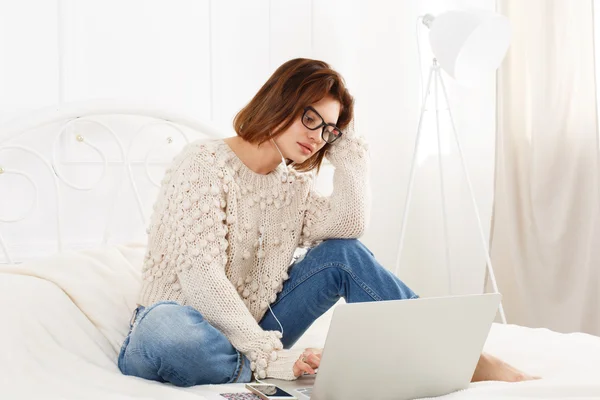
{"points": [[296, 370], [304, 367], [313, 360], [308, 362], [315, 350]]}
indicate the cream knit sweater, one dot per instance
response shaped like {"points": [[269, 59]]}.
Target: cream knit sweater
{"points": [[222, 238]]}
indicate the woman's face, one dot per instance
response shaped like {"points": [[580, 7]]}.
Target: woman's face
{"points": [[298, 143]]}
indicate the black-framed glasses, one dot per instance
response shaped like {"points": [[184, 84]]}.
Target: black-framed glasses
{"points": [[313, 121]]}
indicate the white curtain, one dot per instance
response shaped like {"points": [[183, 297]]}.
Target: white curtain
{"points": [[546, 229]]}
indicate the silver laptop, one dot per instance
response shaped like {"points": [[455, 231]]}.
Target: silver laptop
{"points": [[402, 349]]}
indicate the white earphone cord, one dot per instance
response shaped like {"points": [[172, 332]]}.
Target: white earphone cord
{"points": [[282, 158], [286, 167], [274, 316]]}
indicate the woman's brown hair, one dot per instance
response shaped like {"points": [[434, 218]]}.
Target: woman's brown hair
{"points": [[295, 85]]}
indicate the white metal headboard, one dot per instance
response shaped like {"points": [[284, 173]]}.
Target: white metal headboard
{"points": [[49, 164]]}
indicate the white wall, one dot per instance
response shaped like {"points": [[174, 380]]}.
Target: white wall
{"points": [[207, 58]]}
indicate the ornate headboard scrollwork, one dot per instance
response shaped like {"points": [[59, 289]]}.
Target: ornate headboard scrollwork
{"points": [[50, 159]]}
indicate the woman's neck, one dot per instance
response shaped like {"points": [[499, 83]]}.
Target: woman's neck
{"points": [[262, 160]]}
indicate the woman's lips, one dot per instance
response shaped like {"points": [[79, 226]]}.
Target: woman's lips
{"points": [[305, 150]]}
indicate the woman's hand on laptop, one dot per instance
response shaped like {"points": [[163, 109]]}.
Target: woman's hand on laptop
{"points": [[308, 362]]}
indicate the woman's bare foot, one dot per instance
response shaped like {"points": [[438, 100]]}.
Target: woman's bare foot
{"points": [[490, 368]]}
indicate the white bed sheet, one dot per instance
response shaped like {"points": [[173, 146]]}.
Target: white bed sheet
{"points": [[63, 319]]}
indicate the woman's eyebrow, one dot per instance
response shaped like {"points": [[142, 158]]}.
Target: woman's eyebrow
{"points": [[321, 115]]}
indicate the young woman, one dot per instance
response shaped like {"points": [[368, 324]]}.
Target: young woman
{"points": [[220, 302]]}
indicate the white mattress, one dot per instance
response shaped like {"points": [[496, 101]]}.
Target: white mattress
{"points": [[63, 320]]}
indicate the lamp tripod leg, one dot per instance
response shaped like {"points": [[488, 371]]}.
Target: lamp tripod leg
{"points": [[474, 202], [412, 173], [442, 188]]}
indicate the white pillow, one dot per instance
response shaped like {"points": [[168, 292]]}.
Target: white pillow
{"points": [[102, 282], [44, 328]]}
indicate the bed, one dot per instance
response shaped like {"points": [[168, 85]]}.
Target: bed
{"points": [[71, 248]]}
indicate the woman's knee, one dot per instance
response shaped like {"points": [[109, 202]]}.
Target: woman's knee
{"points": [[337, 258], [179, 346], [160, 338], [346, 251], [174, 329]]}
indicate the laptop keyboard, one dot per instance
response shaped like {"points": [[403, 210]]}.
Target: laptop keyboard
{"points": [[305, 391]]}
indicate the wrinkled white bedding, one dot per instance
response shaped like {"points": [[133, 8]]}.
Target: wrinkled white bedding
{"points": [[63, 319]]}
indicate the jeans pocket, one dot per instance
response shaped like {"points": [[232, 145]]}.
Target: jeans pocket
{"points": [[134, 316]]}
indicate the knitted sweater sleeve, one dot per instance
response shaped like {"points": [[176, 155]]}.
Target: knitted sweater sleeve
{"points": [[199, 249], [344, 214]]}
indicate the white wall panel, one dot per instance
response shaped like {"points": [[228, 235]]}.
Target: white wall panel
{"points": [[154, 51], [240, 51], [28, 56], [336, 36], [291, 30]]}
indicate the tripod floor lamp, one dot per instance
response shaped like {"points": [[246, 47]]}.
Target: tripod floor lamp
{"points": [[467, 45]]}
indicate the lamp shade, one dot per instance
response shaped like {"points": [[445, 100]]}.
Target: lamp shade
{"points": [[469, 44]]}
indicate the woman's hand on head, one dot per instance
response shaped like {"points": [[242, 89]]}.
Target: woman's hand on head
{"points": [[308, 362]]}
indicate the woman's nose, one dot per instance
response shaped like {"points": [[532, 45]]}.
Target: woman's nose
{"points": [[315, 136]]}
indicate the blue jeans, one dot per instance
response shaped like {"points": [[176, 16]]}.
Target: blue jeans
{"points": [[168, 342]]}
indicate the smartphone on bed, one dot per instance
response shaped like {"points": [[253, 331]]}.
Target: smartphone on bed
{"points": [[269, 392]]}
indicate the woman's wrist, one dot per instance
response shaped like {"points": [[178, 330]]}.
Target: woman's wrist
{"points": [[283, 366]]}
